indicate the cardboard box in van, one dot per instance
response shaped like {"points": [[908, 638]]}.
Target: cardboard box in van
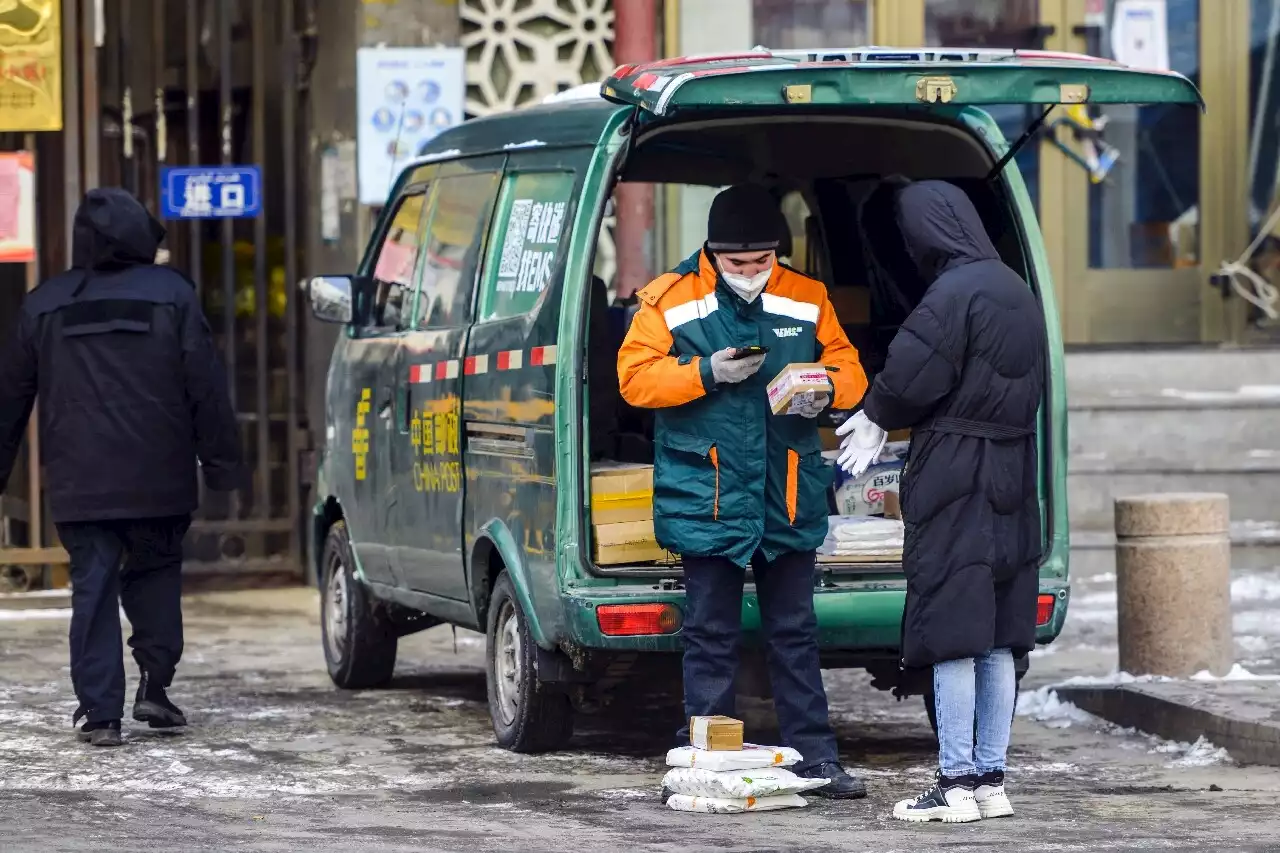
{"points": [[621, 492]]}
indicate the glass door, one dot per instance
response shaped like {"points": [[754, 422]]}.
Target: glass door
{"points": [[1133, 248]]}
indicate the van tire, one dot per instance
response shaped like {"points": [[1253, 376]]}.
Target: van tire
{"points": [[528, 716], [359, 639]]}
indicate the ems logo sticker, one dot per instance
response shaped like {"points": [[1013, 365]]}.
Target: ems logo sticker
{"points": [[789, 332]]}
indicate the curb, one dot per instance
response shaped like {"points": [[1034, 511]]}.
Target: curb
{"points": [[1184, 711], [53, 599]]}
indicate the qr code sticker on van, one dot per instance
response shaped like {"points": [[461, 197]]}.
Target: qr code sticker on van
{"points": [[513, 242]]}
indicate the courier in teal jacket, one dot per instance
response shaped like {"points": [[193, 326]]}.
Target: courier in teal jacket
{"points": [[731, 477], [733, 484]]}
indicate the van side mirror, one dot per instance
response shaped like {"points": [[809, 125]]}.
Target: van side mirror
{"points": [[331, 297]]}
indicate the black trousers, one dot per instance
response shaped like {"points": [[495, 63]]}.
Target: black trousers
{"points": [[713, 626], [136, 563]]}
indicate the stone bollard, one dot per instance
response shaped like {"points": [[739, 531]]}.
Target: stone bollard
{"points": [[1173, 584]]}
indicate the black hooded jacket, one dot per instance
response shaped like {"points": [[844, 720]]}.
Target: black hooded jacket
{"points": [[966, 373], [131, 389]]}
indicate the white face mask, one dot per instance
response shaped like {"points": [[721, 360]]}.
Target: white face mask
{"points": [[748, 287]]}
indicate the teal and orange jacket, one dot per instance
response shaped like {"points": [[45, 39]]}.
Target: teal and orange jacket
{"points": [[730, 477]]}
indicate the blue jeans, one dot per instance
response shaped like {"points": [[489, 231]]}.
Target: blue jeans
{"points": [[713, 625], [983, 689]]}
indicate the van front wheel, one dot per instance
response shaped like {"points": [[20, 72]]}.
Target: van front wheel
{"points": [[527, 716], [359, 640]]}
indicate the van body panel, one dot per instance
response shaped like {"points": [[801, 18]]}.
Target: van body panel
{"points": [[426, 477], [543, 608], [864, 615]]}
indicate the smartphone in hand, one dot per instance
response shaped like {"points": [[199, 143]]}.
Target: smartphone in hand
{"points": [[745, 352]]}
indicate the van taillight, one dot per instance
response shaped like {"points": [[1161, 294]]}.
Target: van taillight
{"points": [[631, 620], [1044, 610]]}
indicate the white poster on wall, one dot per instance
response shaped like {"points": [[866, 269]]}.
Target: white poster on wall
{"points": [[1140, 34], [405, 96]]}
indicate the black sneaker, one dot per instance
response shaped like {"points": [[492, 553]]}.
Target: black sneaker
{"points": [[988, 790], [106, 733], [152, 706], [949, 800], [841, 785]]}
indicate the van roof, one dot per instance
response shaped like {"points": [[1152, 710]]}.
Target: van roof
{"points": [[572, 118]]}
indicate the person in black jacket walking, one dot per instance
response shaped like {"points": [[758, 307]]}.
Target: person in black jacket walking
{"points": [[966, 374], [133, 401]]}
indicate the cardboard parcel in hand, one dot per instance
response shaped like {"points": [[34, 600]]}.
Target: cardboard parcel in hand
{"points": [[796, 384]]}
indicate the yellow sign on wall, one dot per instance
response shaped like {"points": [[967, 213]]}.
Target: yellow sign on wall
{"points": [[30, 65]]}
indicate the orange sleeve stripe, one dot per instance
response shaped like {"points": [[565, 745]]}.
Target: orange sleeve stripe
{"points": [[849, 379], [648, 376]]}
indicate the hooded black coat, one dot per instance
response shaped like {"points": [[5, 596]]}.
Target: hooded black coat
{"points": [[131, 389], [966, 373]]}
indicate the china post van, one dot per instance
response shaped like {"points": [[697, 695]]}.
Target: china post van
{"points": [[467, 396]]}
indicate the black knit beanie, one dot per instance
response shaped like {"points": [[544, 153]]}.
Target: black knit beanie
{"points": [[743, 218]]}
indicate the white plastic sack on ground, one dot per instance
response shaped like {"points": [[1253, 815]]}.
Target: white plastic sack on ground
{"points": [[734, 805], [750, 757], [766, 782]]}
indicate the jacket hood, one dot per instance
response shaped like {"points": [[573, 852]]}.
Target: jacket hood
{"points": [[941, 228], [112, 230]]}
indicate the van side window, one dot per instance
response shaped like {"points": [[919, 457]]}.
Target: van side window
{"points": [[454, 249], [397, 257], [532, 219]]}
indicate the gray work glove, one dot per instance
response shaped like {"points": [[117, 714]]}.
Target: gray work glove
{"points": [[727, 369], [811, 406]]}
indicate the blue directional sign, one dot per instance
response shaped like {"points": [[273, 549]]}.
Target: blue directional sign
{"points": [[211, 192]]}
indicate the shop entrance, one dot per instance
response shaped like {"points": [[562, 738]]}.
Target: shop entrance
{"points": [[1138, 205]]}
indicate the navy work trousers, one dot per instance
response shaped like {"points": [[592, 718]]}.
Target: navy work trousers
{"points": [[713, 626], [138, 564]]}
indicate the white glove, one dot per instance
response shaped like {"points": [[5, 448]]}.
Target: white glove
{"points": [[727, 369], [862, 445]]}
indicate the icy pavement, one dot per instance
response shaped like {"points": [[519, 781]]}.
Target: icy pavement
{"points": [[277, 759]]}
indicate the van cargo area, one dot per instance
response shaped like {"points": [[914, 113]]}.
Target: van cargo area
{"points": [[833, 177]]}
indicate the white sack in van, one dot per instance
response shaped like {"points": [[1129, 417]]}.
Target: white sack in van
{"points": [[766, 782], [734, 805], [750, 757]]}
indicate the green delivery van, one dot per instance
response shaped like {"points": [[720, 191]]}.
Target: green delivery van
{"points": [[469, 394]]}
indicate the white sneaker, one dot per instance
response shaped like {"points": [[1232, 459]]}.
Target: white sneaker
{"points": [[949, 800], [990, 796]]}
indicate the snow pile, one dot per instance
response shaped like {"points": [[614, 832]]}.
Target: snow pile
{"points": [[1046, 707], [1202, 753], [1237, 673]]}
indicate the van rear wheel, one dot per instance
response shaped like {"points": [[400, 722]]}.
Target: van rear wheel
{"points": [[359, 640], [527, 716]]}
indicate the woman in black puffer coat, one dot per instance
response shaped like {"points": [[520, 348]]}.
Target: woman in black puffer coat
{"points": [[966, 374]]}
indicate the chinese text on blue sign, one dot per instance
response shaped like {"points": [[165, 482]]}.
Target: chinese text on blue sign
{"points": [[211, 192]]}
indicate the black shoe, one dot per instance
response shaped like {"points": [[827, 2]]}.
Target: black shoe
{"points": [[667, 794], [841, 785], [152, 706], [106, 733], [950, 800]]}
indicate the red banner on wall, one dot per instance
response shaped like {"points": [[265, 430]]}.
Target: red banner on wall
{"points": [[17, 207]]}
